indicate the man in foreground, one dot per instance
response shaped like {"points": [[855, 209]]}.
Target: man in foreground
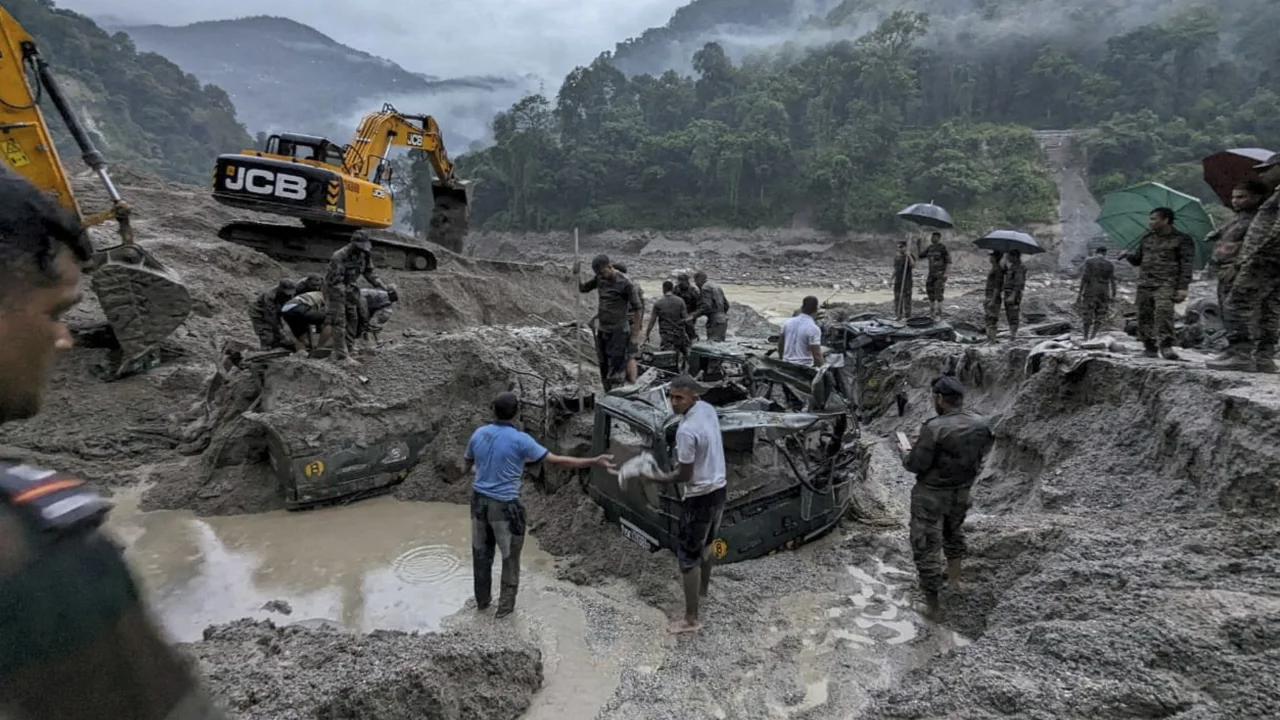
{"points": [[672, 317], [801, 341], [499, 453], [946, 460], [1097, 291], [618, 317], [700, 474], [78, 643], [1164, 258], [1252, 314], [935, 283]]}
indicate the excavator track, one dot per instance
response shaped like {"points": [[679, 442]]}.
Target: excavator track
{"points": [[317, 243]]}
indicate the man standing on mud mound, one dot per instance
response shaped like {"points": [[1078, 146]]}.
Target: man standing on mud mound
{"points": [[264, 315], [946, 460], [672, 317], [1227, 240], [619, 317], [713, 305], [1252, 314], [700, 473], [689, 294], [342, 295], [904, 268], [633, 347], [499, 452], [939, 270], [1097, 290], [1015, 281], [1164, 258], [79, 644], [994, 294]]}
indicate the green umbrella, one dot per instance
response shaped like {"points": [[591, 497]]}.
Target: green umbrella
{"points": [[1124, 215]]}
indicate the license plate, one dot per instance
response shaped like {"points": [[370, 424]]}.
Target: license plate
{"points": [[637, 536]]}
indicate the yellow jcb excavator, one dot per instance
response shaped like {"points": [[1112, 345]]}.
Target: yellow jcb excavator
{"points": [[143, 300], [338, 191]]}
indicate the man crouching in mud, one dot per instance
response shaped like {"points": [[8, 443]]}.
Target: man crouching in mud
{"points": [[700, 471], [78, 643], [498, 452], [946, 460]]}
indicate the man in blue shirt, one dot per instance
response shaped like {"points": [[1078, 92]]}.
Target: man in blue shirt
{"points": [[499, 452]]}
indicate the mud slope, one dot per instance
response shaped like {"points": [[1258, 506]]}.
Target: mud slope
{"points": [[1124, 547], [121, 432], [264, 672]]}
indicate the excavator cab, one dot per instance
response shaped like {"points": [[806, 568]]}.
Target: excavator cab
{"points": [[305, 147], [142, 299]]}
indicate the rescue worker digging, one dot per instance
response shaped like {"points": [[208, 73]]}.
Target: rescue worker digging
{"points": [[935, 282], [672, 317], [499, 453], [79, 644], [342, 295], [619, 318], [376, 307], [264, 316], [946, 460], [700, 473], [1097, 291], [1164, 258], [306, 318], [1252, 314]]}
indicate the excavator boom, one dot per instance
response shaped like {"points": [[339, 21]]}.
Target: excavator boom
{"points": [[338, 191], [143, 300]]}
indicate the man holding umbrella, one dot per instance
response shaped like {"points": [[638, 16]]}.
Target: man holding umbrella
{"points": [[1164, 258], [1256, 287]]}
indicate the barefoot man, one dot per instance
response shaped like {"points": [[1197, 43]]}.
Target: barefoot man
{"points": [[700, 474]]}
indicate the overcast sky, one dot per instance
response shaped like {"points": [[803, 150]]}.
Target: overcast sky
{"points": [[466, 37]]}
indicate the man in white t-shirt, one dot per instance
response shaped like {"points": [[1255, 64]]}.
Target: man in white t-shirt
{"points": [[700, 473], [801, 341]]}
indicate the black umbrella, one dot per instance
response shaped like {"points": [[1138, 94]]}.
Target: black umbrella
{"points": [[1008, 241], [1226, 169], [928, 215]]}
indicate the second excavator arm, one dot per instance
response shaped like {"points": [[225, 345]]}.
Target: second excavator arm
{"points": [[380, 131]]}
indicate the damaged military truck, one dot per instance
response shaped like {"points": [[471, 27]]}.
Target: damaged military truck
{"points": [[789, 474]]}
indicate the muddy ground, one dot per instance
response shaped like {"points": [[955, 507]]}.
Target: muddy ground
{"points": [[1124, 558]]}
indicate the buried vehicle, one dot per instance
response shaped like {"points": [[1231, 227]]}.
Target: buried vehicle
{"points": [[348, 472], [789, 474]]}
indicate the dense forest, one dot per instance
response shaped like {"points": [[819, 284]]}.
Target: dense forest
{"points": [[919, 108], [142, 110]]}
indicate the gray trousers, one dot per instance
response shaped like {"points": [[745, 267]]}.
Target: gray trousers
{"points": [[496, 525]]}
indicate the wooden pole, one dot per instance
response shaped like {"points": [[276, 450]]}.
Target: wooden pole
{"points": [[577, 315]]}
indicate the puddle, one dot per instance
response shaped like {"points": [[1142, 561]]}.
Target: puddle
{"points": [[376, 564], [777, 303]]}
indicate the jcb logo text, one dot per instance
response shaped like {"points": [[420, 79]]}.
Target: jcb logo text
{"points": [[266, 182]]}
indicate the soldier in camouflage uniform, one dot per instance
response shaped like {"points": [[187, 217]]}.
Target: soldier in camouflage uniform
{"points": [[713, 305], [633, 348], [376, 307], [939, 267], [689, 294], [78, 641], [1097, 290], [672, 317], [1164, 257], [994, 294], [904, 267], [264, 315], [1015, 281], [1252, 314], [946, 460], [1246, 198], [342, 295]]}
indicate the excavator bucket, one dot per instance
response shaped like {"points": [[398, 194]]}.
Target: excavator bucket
{"points": [[143, 300], [450, 214]]}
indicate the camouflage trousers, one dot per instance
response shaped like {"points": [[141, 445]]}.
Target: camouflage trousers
{"points": [[933, 287], [991, 311], [343, 305], [902, 297], [1226, 276], [1252, 313], [937, 526], [1094, 309], [1155, 316]]}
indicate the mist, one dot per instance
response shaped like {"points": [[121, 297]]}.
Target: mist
{"points": [[508, 38]]}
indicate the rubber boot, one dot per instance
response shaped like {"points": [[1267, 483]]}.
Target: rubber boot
{"points": [[953, 574], [506, 600], [1168, 353], [1013, 332], [991, 335], [1150, 350], [1234, 358], [692, 583], [1088, 331], [933, 606]]}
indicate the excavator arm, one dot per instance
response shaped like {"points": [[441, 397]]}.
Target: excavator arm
{"points": [[142, 299]]}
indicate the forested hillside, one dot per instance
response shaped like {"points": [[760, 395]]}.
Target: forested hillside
{"points": [[920, 108], [143, 110]]}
